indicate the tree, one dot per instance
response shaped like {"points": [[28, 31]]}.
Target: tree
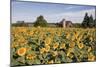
{"points": [[91, 22], [40, 22], [88, 21], [94, 23], [85, 22], [77, 25]]}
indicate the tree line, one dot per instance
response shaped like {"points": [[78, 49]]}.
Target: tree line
{"points": [[88, 22]]}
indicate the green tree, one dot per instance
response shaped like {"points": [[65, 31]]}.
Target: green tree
{"points": [[40, 22], [94, 23], [85, 22], [77, 25], [91, 22], [88, 21]]}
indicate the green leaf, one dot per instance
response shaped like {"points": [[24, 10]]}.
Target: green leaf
{"points": [[14, 62], [37, 61], [29, 62], [57, 60], [40, 57], [21, 59], [69, 59]]}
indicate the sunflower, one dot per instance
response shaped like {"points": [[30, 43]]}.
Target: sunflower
{"points": [[47, 41], [72, 44], [91, 57], [55, 53], [91, 38], [55, 45], [67, 35], [42, 50], [38, 27], [22, 41], [89, 49], [71, 55], [30, 56], [70, 50], [47, 48], [21, 51], [62, 46], [50, 62], [31, 33], [68, 53], [76, 34], [73, 38], [14, 45], [80, 45], [28, 48]]}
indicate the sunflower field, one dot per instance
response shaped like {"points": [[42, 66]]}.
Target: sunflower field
{"points": [[31, 46]]}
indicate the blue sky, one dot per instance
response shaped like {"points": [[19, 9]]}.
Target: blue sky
{"points": [[29, 11]]}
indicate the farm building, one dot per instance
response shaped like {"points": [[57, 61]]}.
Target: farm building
{"points": [[22, 23], [65, 23]]}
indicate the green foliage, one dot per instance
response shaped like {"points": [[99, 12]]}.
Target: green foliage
{"points": [[88, 21], [85, 21], [77, 25], [52, 45], [94, 23], [40, 22], [91, 21]]}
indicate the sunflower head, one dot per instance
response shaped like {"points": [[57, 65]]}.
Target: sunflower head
{"points": [[89, 49], [80, 45], [47, 48], [55, 53], [30, 56], [50, 62], [42, 50], [91, 38], [14, 45], [76, 34], [47, 41], [68, 53], [72, 44], [21, 51], [55, 45], [62, 46], [70, 50], [91, 57]]}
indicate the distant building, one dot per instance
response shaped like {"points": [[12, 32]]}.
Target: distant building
{"points": [[29, 24], [22, 23], [65, 23]]}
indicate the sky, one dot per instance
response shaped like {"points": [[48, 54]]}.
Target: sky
{"points": [[53, 13]]}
